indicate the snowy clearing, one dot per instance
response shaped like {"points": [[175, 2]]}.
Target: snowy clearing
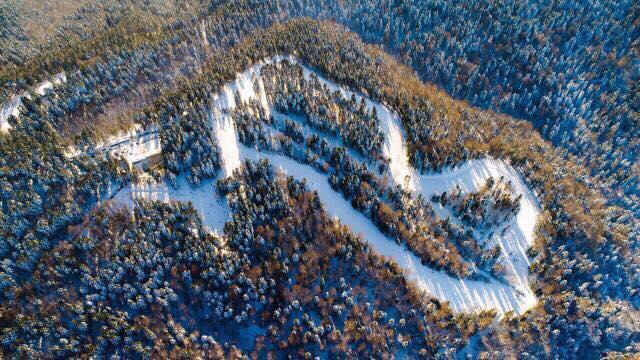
{"points": [[463, 295], [12, 105], [211, 207], [134, 145]]}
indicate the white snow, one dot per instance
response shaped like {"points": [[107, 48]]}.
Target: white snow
{"points": [[389, 124], [211, 207], [394, 148], [224, 101], [221, 120], [134, 145], [47, 85], [463, 295], [12, 106], [518, 235], [203, 34], [227, 141], [138, 148]]}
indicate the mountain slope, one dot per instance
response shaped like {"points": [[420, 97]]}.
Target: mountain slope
{"points": [[583, 267]]}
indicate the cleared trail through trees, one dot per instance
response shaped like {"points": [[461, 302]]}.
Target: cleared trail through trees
{"points": [[463, 295]]}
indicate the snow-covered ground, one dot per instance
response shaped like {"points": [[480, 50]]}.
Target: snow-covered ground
{"points": [[204, 198], [463, 295], [12, 105], [222, 122], [518, 234], [47, 85], [134, 145]]}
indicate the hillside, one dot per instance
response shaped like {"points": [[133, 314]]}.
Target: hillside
{"points": [[233, 183]]}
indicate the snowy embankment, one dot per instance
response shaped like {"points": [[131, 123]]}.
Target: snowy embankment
{"points": [[463, 295], [12, 105]]}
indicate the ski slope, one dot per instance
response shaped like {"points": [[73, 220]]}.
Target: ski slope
{"points": [[518, 234], [463, 295]]}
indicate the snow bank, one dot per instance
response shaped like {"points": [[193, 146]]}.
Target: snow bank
{"points": [[12, 106]]}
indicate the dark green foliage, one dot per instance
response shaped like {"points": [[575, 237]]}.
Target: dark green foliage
{"points": [[43, 193], [567, 68], [288, 278]]}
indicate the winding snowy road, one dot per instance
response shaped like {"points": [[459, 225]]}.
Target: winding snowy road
{"points": [[463, 295]]}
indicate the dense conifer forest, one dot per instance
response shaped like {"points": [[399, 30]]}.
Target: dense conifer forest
{"points": [[319, 179]]}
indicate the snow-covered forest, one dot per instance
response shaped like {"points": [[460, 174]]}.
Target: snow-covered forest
{"points": [[223, 180]]}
